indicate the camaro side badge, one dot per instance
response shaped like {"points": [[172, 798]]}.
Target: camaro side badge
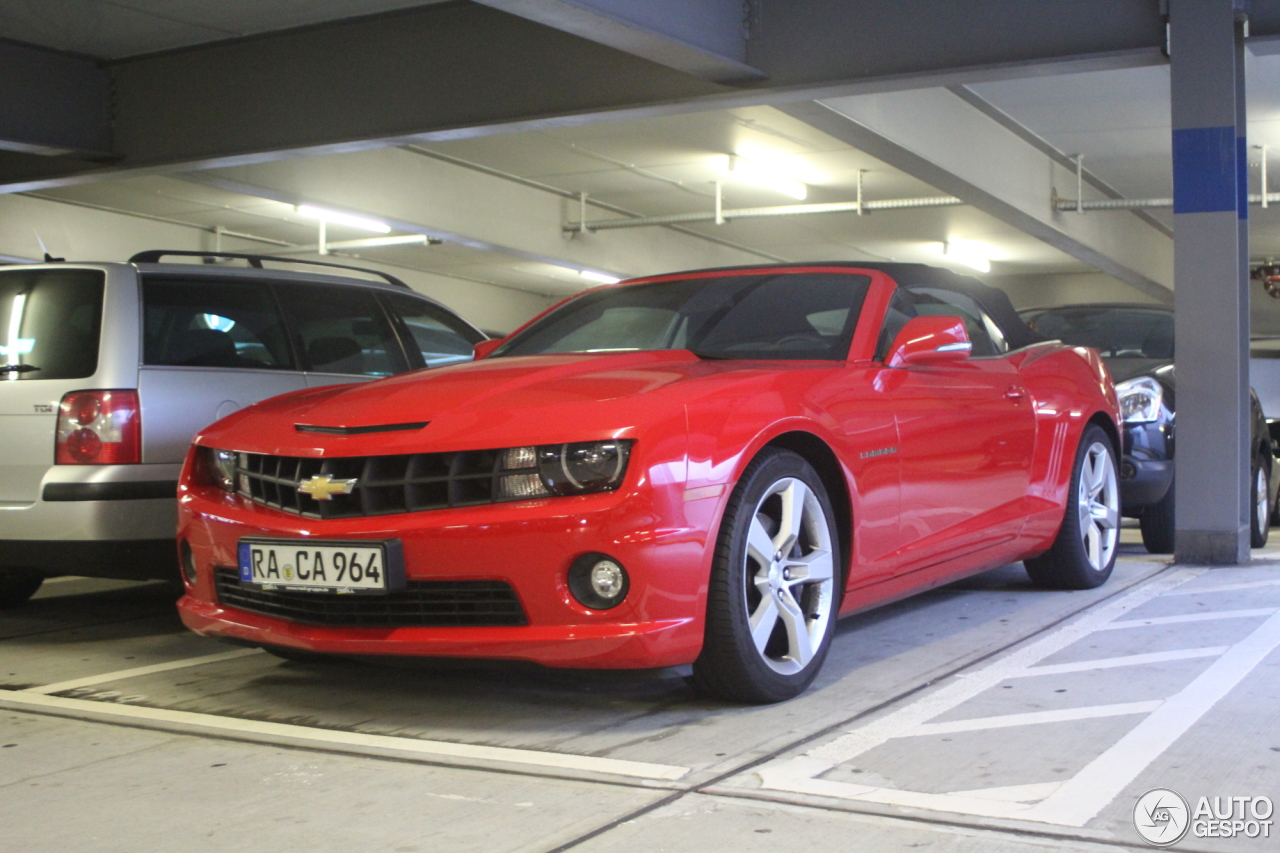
{"points": [[884, 451], [323, 487]]}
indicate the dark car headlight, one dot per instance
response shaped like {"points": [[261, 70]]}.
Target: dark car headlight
{"points": [[575, 468], [1140, 400], [218, 467]]}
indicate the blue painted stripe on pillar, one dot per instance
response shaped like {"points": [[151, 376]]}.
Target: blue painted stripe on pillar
{"points": [[1205, 176], [1242, 178]]}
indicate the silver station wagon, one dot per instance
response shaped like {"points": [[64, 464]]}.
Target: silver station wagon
{"points": [[108, 370]]}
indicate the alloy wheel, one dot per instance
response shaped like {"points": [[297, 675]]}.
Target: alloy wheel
{"points": [[1261, 505], [789, 575], [1099, 506]]}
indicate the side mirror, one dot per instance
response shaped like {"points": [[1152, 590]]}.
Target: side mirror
{"points": [[930, 340], [485, 347]]}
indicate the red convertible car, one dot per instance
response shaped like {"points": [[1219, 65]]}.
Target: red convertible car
{"points": [[707, 467]]}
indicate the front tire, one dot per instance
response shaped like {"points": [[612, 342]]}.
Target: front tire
{"points": [[775, 585], [1084, 552], [1157, 525], [17, 585], [1260, 517]]}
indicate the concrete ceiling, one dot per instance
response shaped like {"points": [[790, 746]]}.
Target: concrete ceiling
{"points": [[648, 167], [1120, 121], [116, 29], [499, 199]]}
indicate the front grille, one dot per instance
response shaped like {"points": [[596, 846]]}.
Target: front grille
{"points": [[385, 484], [424, 604]]}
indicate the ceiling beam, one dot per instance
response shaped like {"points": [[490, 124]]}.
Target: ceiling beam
{"points": [[457, 70], [53, 104], [707, 39], [943, 140]]}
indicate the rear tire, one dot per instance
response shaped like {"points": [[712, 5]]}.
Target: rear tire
{"points": [[17, 585], [1157, 525], [1260, 517], [1084, 552], [775, 585]]}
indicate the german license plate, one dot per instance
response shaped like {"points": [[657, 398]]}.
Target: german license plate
{"points": [[322, 565]]}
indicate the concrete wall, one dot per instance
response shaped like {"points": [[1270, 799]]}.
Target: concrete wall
{"points": [[84, 234]]}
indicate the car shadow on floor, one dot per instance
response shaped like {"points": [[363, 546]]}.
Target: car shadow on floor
{"points": [[66, 609]]}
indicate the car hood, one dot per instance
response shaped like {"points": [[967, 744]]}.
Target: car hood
{"points": [[491, 403], [1123, 369]]}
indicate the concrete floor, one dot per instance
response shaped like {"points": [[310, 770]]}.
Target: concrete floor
{"points": [[986, 715]]}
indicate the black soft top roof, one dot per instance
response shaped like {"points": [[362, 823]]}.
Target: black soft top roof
{"points": [[996, 301]]}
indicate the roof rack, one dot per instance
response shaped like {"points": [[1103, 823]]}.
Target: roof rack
{"points": [[153, 256]]}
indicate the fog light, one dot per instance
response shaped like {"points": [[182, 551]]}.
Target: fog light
{"points": [[598, 581], [188, 561]]}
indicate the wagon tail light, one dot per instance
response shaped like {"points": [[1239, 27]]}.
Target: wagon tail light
{"points": [[99, 428]]}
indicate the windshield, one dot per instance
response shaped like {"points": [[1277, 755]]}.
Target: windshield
{"points": [[774, 316], [1113, 332], [49, 323]]}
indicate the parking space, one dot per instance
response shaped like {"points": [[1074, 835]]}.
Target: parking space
{"points": [[987, 704]]}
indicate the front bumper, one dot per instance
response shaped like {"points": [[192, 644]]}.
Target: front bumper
{"points": [[659, 538], [1146, 467], [1148, 481]]}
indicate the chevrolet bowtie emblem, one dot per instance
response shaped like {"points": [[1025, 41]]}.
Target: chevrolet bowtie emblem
{"points": [[323, 487]]}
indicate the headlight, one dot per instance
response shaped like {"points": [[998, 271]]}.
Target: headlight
{"points": [[577, 468], [220, 467], [1140, 400]]}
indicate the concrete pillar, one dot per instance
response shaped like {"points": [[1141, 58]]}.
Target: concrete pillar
{"points": [[1211, 277]]}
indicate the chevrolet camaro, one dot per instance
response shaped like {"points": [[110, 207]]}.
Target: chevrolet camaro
{"points": [[703, 468]]}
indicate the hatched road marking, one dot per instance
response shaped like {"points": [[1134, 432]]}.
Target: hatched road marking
{"points": [[1077, 800]]}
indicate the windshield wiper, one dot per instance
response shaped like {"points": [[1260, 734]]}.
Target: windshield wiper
{"points": [[713, 356], [17, 368]]}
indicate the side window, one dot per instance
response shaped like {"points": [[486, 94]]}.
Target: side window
{"points": [[341, 330], [440, 338], [189, 323], [900, 311], [986, 336]]}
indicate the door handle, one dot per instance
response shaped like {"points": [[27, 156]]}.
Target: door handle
{"points": [[1015, 393]]}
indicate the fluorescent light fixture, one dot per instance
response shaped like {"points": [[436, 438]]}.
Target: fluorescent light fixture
{"points": [[962, 253], [598, 277], [333, 216], [753, 173]]}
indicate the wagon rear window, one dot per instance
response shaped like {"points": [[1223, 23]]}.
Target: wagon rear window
{"points": [[776, 316], [50, 322]]}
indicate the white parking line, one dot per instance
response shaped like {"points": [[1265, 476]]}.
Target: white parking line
{"points": [[1032, 718], [1126, 660], [136, 671], [1189, 617], [188, 722], [1227, 587]]}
